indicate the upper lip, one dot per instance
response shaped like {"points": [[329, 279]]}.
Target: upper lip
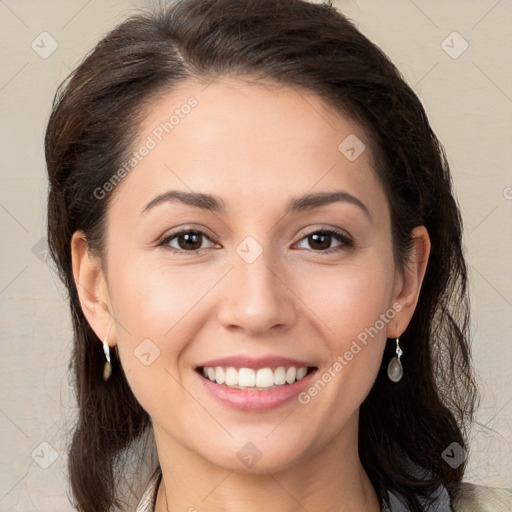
{"points": [[241, 361]]}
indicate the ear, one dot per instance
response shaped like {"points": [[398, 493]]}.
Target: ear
{"points": [[408, 282], [92, 288]]}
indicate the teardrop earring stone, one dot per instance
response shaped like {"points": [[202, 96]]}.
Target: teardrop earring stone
{"points": [[395, 370], [107, 370]]}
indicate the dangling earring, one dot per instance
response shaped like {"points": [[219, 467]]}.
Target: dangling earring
{"points": [[395, 369], [107, 369]]}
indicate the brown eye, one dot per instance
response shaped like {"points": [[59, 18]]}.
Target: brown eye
{"points": [[321, 241], [191, 241], [186, 241]]}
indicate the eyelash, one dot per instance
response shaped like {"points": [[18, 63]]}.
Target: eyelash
{"points": [[347, 243]]}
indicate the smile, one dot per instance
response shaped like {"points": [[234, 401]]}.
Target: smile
{"points": [[249, 390], [248, 378]]}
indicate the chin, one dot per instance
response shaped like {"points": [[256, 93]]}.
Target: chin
{"points": [[257, 457]]}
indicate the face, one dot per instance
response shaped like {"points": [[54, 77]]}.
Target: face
{"points": [[258, 272]]}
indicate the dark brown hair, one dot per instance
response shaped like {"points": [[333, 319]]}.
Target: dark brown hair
{"points": [[92, 129]]}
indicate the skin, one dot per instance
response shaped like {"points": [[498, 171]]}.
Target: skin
{"points": [[256, 147]]}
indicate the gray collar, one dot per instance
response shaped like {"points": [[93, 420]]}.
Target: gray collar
{"points": [[440, 502]]}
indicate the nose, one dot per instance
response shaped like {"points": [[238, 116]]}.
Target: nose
{"points": [[257, 297]]}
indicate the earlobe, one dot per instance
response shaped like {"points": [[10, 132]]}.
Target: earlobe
{"points": [[412, 278], [92, 288]]}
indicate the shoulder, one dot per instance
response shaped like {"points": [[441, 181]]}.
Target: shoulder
{"points": [[471, 498], [478, 498]]}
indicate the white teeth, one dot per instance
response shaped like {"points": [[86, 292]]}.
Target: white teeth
{"points": [[301, 372], [220, 375], [264, 378], [231, 377], [291, 373], [280, 376], [246, 377]]}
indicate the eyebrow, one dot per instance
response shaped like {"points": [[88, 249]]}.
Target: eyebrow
{"points": [[216, 204]]}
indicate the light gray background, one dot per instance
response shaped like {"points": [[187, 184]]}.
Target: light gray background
{"points": [[469, 102]]}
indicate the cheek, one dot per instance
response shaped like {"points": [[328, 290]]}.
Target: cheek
{"points": [[353, 308], [152, 300], [155, 324], [348, 300], [153, 306]]}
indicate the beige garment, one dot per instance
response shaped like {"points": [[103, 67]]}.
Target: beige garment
{"points": [[472, 498], [146, 503], [478, 498]]}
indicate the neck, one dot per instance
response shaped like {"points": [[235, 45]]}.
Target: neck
{"points": [[329, 479]]}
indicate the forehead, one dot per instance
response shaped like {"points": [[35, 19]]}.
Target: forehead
{"points": [[255, 138]]}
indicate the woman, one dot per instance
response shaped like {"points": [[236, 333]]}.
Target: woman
{"points": [[257, 230]]}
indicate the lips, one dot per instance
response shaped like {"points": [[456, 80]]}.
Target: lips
{"points": [[255, 399], [255, 383], [243, 361]]}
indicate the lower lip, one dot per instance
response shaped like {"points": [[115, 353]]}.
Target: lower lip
{"points": [[254, 400]]}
